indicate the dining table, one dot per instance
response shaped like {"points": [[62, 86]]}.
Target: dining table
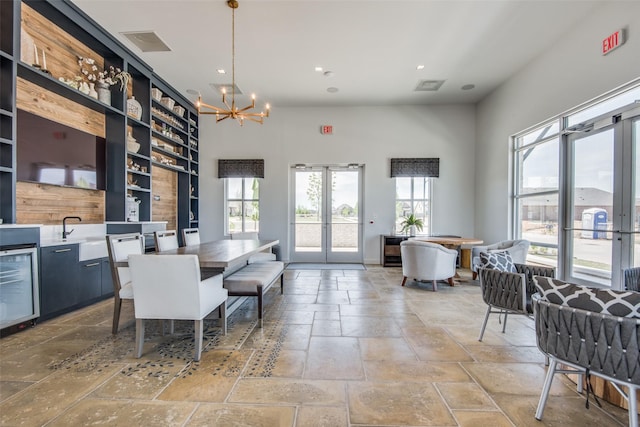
{"points": [[223, 256]]}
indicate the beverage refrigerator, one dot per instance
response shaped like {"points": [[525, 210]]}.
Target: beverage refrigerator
{"points": [[19, 294]]}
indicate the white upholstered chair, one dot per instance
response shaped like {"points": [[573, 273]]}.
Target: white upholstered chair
{"points": [[166, 240], [260, 256], [120, 246], [170, 287], [190, 236], [424, 261], [518, 250]]}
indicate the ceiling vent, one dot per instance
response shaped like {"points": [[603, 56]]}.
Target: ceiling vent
{"points": [[428, 85], [146, 41], [227, 87]]}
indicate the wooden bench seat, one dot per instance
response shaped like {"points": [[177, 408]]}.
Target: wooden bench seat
{"points": [[254, 280]]}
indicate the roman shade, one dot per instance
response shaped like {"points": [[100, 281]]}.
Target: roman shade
{"points": [[241, 168], [425, 167]]}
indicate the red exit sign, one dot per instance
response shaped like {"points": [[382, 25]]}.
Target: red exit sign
{"points": [[613, 41], [326, 130]]}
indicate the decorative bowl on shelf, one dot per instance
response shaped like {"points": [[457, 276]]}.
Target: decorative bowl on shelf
{"points": [[167, 102], [156, 94]]}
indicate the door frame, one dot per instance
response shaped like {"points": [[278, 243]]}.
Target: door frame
{"points": [[325, 255]]}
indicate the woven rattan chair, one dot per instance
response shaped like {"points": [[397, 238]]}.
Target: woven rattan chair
{"points": [[591, 343], [510, 293], [632, 279]]}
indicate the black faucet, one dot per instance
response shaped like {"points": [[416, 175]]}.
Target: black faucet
{"points": [[65, 233]]}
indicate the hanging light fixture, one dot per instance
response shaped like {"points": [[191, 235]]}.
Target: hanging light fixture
{"points": [[231, 111]]}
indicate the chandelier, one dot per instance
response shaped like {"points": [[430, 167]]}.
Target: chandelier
{"points": [[231, 111]]}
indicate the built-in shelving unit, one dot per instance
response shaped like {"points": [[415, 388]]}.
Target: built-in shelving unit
{"points": [[166, 131]]}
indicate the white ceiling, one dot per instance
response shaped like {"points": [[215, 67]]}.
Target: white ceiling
{"points": [[372, 46]]}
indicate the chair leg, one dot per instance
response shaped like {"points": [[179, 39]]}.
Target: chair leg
{"points": [[450, 281], [484, 324], [116, 315], [434, 285], [545, 389], [199, 327], [475, 275], [281, 284], [633, 406], [260, 305], [139, 337], [222, 309], [504, 325], [404, 280]]}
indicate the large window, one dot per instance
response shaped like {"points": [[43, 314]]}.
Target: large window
{"points": [[575, 194], [242, 205], [413, 196], [536, 191]]}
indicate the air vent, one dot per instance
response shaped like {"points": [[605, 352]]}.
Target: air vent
{"points": [[428, 85], [226, 86], [147, 41]]}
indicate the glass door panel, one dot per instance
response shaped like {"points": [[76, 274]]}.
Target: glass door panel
{"points": [[635, 237], [592, 204], [327, 223]]}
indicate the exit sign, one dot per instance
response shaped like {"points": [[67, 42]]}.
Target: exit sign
{"points": [[613, 41], [326, 130]]}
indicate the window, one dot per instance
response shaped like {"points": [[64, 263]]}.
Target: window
{"points": [[242, 205], [413, 196], [537, 179]]}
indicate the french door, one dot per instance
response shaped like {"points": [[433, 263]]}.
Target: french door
{"points": [[603, 200], [327, 214]]}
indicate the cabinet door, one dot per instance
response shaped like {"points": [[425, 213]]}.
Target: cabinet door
{"points": [[107, 281], [59, 274], [89, 280]]}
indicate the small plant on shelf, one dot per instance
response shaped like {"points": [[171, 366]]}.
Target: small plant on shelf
{"points": [[109, 76], [410, 223]]}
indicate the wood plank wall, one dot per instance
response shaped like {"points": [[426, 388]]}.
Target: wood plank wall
{"points": [[165, 187], [48, 204]]}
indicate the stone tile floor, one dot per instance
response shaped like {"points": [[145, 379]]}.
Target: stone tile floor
{"points": [[339, 348]]}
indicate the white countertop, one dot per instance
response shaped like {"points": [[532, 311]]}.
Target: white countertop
{"points": [[20, 225]]}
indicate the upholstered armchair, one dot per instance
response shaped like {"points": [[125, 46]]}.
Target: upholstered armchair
{"points": [[424, 261], [518, 250]]}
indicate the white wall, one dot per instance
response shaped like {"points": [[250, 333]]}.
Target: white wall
{"points": [[365, 135], [570, 73]]}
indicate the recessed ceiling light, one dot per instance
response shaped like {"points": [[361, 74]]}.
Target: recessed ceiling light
{"points": [[221, 71], [468, 87], [328, 73], [318, 69], [420, 67], [332, 89]]}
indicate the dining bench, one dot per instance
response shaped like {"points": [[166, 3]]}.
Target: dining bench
{"points": [[254, 280]]}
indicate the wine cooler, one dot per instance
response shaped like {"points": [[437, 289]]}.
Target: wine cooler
{"points": [[19, 295]]}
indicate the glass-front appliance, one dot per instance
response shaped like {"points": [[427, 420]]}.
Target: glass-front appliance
{"points": [[19, 301]]}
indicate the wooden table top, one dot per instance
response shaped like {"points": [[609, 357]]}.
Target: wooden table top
{"points": [[453, 241], [224, 253]]}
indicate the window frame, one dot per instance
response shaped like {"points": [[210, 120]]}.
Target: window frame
{"points": [[412, 201], [243, 202]]}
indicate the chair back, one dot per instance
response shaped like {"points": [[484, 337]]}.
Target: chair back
{"points": [[632, 279], [247, 235], [190, 236], [120, 246], [165, 286], [427, 261], [166, 240]]}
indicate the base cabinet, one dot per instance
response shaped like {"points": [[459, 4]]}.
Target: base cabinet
{"points": [[58, 279], [68, 284], [390, 250]]}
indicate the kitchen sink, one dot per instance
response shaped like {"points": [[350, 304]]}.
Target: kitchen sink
{"points": [[92, 249]]}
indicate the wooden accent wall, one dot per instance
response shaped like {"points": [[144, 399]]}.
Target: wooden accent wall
{"points": [[48, 204], [165, 185], [34, 99], [62, 49]]}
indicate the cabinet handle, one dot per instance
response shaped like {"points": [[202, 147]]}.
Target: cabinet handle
{"points": [[62, 250], [93, 264]]}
